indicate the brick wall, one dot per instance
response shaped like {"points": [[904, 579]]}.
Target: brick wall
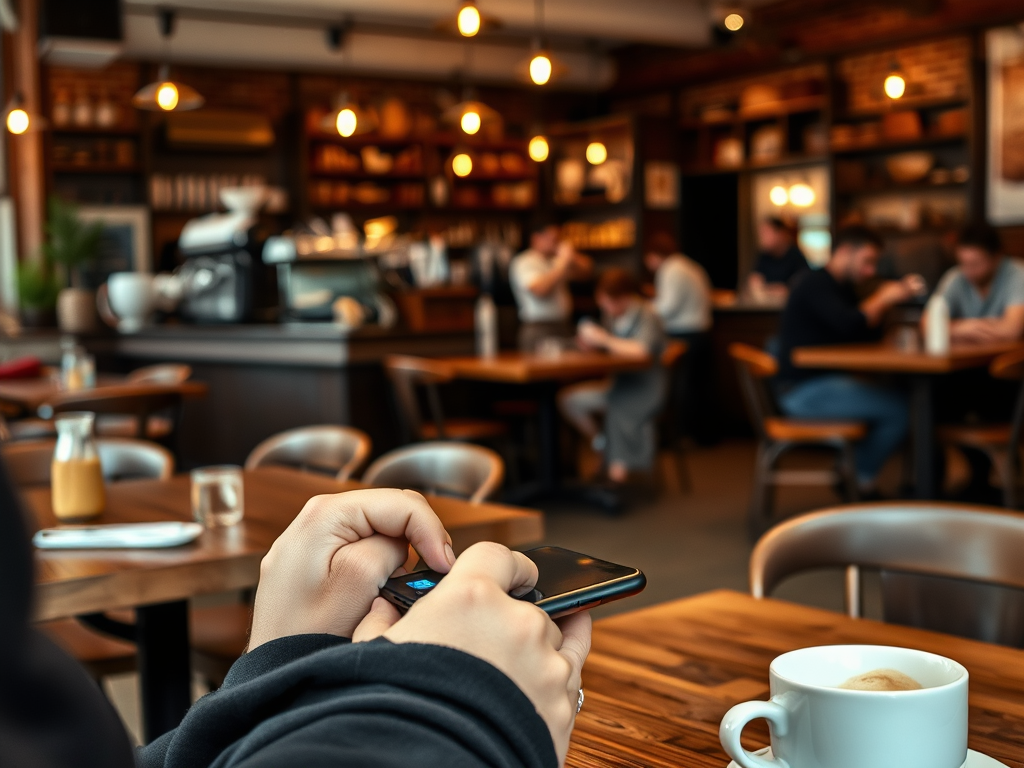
{"points": [[728, 91], [934, 70]]}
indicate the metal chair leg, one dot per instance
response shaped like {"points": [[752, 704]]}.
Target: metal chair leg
{"points": [[849, 471], [760, 513]]}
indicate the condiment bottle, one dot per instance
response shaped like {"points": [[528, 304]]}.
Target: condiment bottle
{"points": [[76, 477], [936, 338]]}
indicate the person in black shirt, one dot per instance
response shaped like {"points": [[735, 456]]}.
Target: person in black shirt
{"points": [[823, 308], [779, 261], [333, 676]]}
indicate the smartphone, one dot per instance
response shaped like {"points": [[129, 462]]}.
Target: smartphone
{"points": [[567, 582]]}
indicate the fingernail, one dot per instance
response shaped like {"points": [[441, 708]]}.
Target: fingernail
{"points": [[449, 554]]}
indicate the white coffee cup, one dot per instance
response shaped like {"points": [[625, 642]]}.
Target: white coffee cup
{"points": [[816, 724], [131, 299]]}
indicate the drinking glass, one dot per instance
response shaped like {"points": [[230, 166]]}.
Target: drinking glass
{"points": [[217, 495]]}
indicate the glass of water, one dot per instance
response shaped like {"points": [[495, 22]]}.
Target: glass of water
{"points": [[217, 495]]}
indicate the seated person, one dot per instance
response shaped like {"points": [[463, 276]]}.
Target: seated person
{"points": [[985, 290], [468, 677], [682, 299], [629, 401], [779, 261], [539, 278], [823, 308]]}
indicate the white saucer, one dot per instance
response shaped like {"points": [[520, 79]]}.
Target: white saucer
{"points": [[125, 536], [974, 759]]}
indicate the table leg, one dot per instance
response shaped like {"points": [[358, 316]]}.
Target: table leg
{"points": [[165, 671], [923, 417], [549, 472]]}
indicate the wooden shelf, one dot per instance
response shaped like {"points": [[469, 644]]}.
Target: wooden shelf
{"points": [[924, 142], [71, 130], [364, 176], [96, 169], [894, 187], [905, 104], [799, 106], [785, 162]]}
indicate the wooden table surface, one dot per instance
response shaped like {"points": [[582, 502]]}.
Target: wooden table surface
{"points": [[29, 394], [884, 358], [521, 368], [658, 681], [71, 582]]}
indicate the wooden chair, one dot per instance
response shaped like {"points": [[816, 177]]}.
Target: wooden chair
{"points": [[139, 401], [442, 468], [1000, 441], [778, 435], [340, 451], [158, 427], [954, 568], [28, 463], [671, 357], [408, 375]]}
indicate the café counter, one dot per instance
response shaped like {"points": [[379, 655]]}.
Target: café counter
{"points": [[267, 378]]}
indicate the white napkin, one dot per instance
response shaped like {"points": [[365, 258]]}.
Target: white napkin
{"points": [[125, 536]]}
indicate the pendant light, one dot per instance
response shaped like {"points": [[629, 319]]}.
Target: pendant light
{"points": [[539, 148], [802, 195], [542, 65], [468, 21], [462, 163], [470, 114], [18, 120], [894, 85], [348, 118], [166, 95], [597, 152]]}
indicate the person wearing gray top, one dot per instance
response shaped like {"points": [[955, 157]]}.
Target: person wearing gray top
{"points": [[630, 401], [985, 290]]}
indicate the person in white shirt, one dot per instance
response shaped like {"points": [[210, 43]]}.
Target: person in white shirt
{"points": [[539, 278], [682, 299]]}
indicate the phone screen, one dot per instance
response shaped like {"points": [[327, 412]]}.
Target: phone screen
{"points": [[567, 581]]}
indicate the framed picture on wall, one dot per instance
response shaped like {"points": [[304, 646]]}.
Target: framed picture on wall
{"points": [[661, 185], [125, 245], [1005, 199]]}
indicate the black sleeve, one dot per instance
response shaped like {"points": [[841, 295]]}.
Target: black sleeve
{"points": [[366, 704], [826, 307]]}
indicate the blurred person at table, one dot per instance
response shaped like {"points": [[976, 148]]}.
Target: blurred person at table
{"points": [[629, 402], [823, 309], [985, 295], [984, 291], [539, 277], [333, 675], [682, 299], [779, 261]]}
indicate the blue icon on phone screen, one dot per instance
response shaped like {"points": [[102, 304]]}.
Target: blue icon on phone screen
{"points": [[422, 584]]}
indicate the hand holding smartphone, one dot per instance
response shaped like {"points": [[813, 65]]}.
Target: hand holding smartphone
{"points": [[567, 582]]}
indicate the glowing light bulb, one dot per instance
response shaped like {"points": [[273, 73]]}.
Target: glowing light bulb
{"points": [[778, 195], [733, 22], [597, 153], [538, 149], [540, 69], [17, 121], [346, 122], [802, 196], [468, 20], [462, 164], [895, 86], [167, 96], [471, 122]]}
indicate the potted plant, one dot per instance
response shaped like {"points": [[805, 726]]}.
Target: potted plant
{"points": [[71, 244], [38, 287]]}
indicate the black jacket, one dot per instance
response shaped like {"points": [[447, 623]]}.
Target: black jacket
{"points": [[302, 702]]}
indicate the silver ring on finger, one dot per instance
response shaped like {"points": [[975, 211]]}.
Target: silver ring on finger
{"points": [[579, 701]]}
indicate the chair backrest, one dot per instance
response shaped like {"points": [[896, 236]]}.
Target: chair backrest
{"points": [[162, 373], [28, 461], [138, 400], [753, 368], [407, 374], [325, 447], [981, 545], [1010, 366], [672, 354], [441, 468]]}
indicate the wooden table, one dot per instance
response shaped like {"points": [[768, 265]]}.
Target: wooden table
{"points": [[160, 582], [921, 368], [658, 681], [30, 394], [547, 375]]}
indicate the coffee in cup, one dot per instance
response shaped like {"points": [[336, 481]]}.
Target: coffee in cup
{"points": [[851, 706]]}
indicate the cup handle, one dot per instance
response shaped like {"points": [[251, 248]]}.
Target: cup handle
{"points": [[735, 721], [103, 306]]}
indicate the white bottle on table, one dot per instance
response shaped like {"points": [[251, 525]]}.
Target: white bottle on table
{"points": [[486, 327], [936, 339]]}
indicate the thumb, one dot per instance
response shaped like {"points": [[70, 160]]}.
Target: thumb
{"points": [[378, 621]]}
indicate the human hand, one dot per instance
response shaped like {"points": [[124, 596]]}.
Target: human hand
{"points": [[591, 335], [471, 610], [565, 254], [893, 292], [915, 284], [323, 573]]}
